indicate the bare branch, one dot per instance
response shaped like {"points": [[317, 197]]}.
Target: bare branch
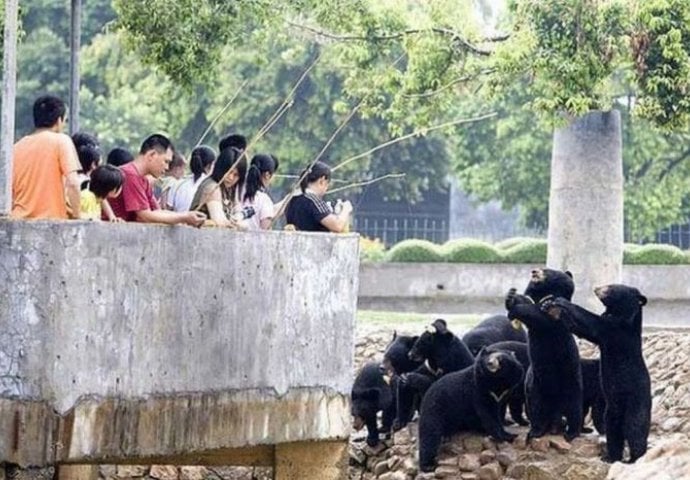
{"points": [[365, 182], [455, 36], [448, 85]]}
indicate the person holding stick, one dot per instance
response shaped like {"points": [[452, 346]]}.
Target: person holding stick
{"points": [[308, 211]]}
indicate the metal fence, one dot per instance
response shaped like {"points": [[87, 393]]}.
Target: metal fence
{"points": [[678, 235], [393, 228]]}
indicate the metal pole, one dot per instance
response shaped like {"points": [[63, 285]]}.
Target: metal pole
{"points": [[74, 78], [9, 93]]}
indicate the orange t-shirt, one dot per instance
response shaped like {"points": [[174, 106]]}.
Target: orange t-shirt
{"points": [[41, 161]]}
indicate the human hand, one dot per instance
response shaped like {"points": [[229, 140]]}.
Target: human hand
{"points": [[116, 220], [195, 218], [347, 207]]}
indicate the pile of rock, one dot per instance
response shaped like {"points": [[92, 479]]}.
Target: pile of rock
{"points": [[169, 472]]}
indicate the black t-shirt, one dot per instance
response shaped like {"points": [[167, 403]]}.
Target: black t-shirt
{"points": [[306, 211]]}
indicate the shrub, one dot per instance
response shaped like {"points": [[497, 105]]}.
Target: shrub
{"points": [[414, 251], [511, 242], [654, 254], [528, 251], [371, 249], [629, 250], [469, 251]]}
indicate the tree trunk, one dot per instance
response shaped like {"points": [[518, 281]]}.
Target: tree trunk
{"points": [[586, 203]]}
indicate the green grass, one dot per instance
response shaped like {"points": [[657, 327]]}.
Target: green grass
{"points": [[406, 320]]}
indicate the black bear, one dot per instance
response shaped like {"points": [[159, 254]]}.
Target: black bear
{"points": [[408, 392], [470, 399], [372, 394], [516, 401], [592, 394], [553, 383], [442, 349], [624, 376], [492, 330]]}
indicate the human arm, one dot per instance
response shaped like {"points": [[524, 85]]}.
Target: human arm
{"points": [[338, 222], [579, 321], [108, 211], [195, 219], [73, 193]]}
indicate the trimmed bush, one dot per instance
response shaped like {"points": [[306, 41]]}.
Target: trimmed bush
{"points": [[468, 250], [628, 252], [371, 249], [655, 254], [414, 251], [511, 242], [528, 251]]}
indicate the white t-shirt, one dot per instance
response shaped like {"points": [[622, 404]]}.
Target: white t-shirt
{"points": [[180, 198], [263, 206]]}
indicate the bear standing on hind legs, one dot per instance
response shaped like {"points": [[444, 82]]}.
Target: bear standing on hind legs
{"points": [[624, 376], [553, 384]]}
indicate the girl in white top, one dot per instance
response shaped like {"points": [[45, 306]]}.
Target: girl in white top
{"points": [[201, 162], [259, 176]]}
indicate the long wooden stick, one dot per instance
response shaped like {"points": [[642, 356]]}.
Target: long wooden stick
{"points": [[220, 114], [366, 182], [421, 131]]}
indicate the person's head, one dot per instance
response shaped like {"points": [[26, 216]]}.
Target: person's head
{"points": [[260, 174], [177, 166], [201, 160], [317, 178], [156, 154], [50, 112], [82, 139], [119, 156], [106, 181], [233, 141], [227, 162], [89, 157]]}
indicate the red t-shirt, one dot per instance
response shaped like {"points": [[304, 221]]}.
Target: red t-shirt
{"points": [[137, 195]]}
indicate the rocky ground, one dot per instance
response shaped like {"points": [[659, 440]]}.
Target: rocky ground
{"points": [[470, 457]]}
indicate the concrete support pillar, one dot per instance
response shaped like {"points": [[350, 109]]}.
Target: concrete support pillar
{"points": [[9, 92], [77, 472], [311, 461], [74, 77], [586, 203]]}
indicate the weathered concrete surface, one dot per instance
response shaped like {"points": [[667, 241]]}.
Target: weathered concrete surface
{"points": [[481, 288], [586, 202], [156, 341]]}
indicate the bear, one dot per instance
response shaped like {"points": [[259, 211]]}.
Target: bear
{"points": [[470, 399], [624, 376], [516, 401], [553, 383], [494, 329], [593, 400], [444, 351], [372, 394], [408, 394]]}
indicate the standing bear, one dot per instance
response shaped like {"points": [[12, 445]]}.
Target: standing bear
{"points": [[471, 399], [624, 376], [553, 384]]}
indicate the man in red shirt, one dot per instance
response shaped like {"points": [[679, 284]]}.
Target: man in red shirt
{"points": [[137, 203]]}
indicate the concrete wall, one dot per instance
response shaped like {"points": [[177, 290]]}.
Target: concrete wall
{"points": [[480, 288], [153, 340]]}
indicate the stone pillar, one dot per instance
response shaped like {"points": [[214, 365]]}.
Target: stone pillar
{"points": [[586, 203], [311, 461], [9, 92], [74, 76]]}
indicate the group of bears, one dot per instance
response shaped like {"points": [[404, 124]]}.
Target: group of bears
{"points": [[468, 384]]}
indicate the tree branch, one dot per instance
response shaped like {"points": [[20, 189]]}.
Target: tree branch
{"points": [[466, 78], [674, 163], [455, 36]]}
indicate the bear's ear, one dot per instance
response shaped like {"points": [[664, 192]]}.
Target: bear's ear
{"points": [[642, 299], [395, 334], [440, 325], [567, 272]]}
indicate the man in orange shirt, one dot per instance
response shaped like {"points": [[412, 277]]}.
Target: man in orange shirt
{"points": [[45, 166]]}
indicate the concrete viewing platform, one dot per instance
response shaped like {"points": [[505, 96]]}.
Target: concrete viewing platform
{"points": [[134, 343]]}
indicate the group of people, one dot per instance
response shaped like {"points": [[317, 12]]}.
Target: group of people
{"points": [[60, 177]]}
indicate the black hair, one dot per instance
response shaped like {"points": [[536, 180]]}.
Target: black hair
{"points": [[261, 164], [105, 179], [157, 142], [224, 163], [177, 160], [318, 170], [200, 159], [119, 156], [89, 157], [48, 109], [81, 139], [235, 141]]}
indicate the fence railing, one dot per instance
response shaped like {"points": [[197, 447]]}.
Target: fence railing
{"points": [[393, 228]]}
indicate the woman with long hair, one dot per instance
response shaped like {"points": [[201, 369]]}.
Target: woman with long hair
{"points": [[259, 177], [200, 162]]}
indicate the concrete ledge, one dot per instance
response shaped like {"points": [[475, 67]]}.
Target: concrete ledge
{"points": [[480, 288]]}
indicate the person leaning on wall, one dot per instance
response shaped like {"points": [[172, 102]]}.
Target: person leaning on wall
{"points": [[45, 166], [309, 212]]}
